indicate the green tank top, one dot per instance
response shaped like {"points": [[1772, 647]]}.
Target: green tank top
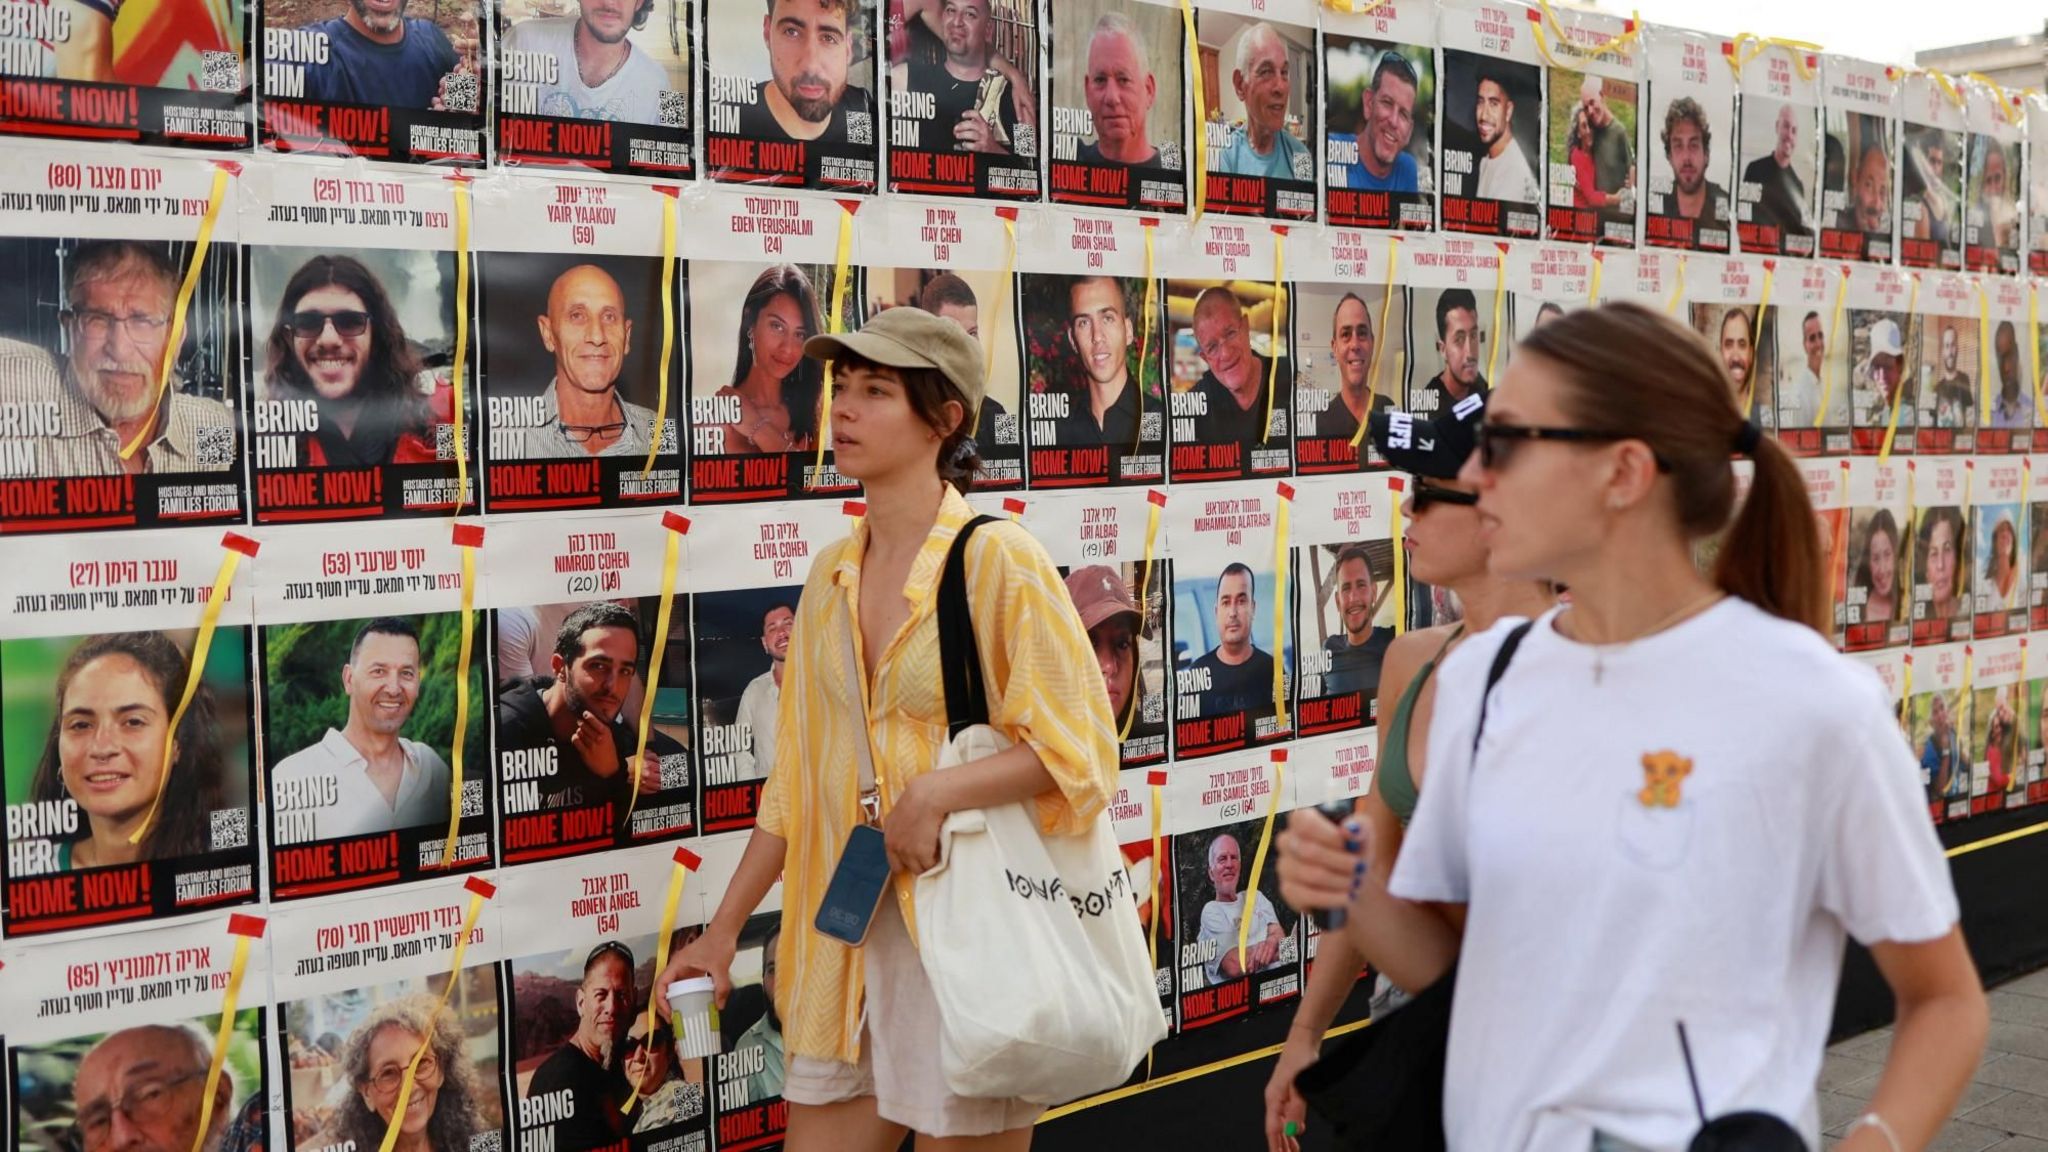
{"points": [[1392, 780]]}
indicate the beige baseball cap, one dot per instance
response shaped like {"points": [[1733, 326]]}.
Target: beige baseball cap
{"points": [[907, 337]]}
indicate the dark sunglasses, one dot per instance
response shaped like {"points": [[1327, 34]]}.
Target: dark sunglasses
{"points": [[1496, 442], [348, 324], [1427, 494]]}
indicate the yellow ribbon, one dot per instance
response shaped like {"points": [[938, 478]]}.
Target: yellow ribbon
{"points": [[1251, 890], [1349, 9], [1500, 296], [2006, 105], [467, 653], [1155, 502], [479, 891], [245, 929], [1827, 368], [1677, 291], [1145, 345], [1891, 427], [834, 326], [1157, 778], [461, 360], [1273, 344], [1906, 685], [2034, 353], [1397, 486], [1372, 381], [668, 324], [1947, 86], [1756, 328], [1628, 33], [1747, 46], [686, 862], [1593, 290], [1199, 153], [1984, 353], [671, 558], [1282, 553], [180, 309], [233, 548], [988, 366]]}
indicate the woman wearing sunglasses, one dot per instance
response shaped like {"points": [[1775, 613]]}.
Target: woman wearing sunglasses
{"points": [[1444, 551], [1684, 800]]}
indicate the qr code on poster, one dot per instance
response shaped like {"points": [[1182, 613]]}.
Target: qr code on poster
{"points": [[230, 829], [667, 440], [673, 108], [1006, 428], [860, 128], [458, 91], [220, 72], [675, 772], [472, 798], [444, 441], [214, 447], [489, 1141]]}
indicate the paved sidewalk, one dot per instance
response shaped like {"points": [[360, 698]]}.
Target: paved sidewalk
{"points": [[2006, 1106]]}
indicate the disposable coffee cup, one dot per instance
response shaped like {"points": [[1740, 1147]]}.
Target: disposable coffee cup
{"points": [[694, 1017]]}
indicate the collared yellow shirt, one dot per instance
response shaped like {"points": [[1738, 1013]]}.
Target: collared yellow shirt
{"points": [[1044, 690]]}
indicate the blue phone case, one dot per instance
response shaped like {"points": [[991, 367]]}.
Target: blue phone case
{"points": [[855, 891]]}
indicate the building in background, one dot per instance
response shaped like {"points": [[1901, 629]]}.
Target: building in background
{"points": [[2016, 63]]}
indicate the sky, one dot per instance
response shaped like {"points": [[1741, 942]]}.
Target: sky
{"points": [[1887, 31]]}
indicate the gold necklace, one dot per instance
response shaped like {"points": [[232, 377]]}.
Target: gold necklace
{"points": [[1685, 612]]}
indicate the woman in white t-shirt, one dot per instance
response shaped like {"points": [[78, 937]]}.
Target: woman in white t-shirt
{"points": [[1685, 800]]}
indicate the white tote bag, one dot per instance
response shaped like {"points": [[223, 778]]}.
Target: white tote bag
{"points": [[1034, 951]]}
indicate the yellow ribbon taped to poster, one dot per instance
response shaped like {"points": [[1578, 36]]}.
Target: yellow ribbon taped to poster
{"points": [[834, 324], [669, 209], [1157, 779], [479, 891], [1500, 296], [1891, 425], [678, 526], [1379, 346], [1155, 503], [1283, 552], [1151, 226], [246, 930], [1397, 486], [462, 497], [1198, 148], [686, 862], [233, 547], [1244, 919], [182, 306], [1827, 368], [468, 538], [1677, 289]]}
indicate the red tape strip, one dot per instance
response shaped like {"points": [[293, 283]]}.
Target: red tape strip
{"points": [[676, 522], [469, 535], [689, 859], [250, 926], [240, 543], [481, 887]]}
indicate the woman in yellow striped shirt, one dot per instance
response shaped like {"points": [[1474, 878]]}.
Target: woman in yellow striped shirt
{"points": [[860, 1026]]}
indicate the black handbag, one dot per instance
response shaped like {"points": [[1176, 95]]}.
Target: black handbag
{"points": [[1383, 1087]]}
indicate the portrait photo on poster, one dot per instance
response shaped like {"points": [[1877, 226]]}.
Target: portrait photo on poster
{"points": [[1448, 319], [2037, 565], [347, 1052], [1938, 718], [790, 93], [756, 400], [1856, 186], [1595, 178], [1097, 409], [1227, 694], [1493, 141], [581, 1047], [750, 1069], [1126, 621], [598, 84], [963, 97], [1379, 102], [742, 640], [1233, 384], [2008, 425], [1212, 869], [1691, 146], [1884, 366], [570, 353], [1117, 98], [1930, 196], [156, 72], [1775, 211], [85, 327], [982, 304], [1813, 381], [1998, 579], [1941, 568], [1745, 338], [1347, 595], [353, 405], [379, 79], [1948, 391], [1335, 393], [66, 1092], [358, 723], [100, 830], [1991, 205], [572, 680], [1259, 117], [1879, 552]]}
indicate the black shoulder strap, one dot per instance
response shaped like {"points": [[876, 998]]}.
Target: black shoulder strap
{"points": [[959, 654], [1501, 659]]}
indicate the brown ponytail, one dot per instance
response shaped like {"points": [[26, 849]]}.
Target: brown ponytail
{"points": [[1637, 372]]}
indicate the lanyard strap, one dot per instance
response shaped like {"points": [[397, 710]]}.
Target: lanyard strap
{"points": [[870, 795]]}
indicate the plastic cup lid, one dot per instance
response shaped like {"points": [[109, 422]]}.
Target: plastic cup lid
{"points": [[690, 987]]}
